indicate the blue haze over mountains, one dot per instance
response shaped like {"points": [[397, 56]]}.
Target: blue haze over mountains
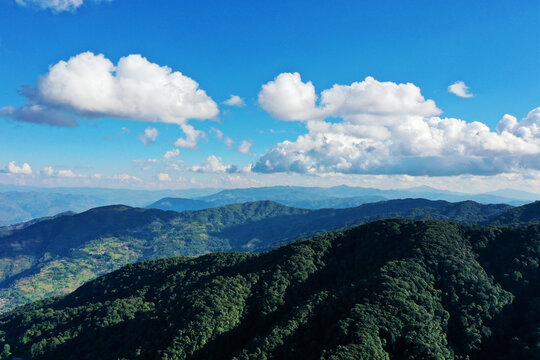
{"points": [[20, 203]]}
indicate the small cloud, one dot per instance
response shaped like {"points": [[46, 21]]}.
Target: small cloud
{"points": [[48, 171], [245, 147], [145, 161], [171, 154], [460, 89], [191, 139], [24, 169], [66, 174], [234, 100], [125, 178], [222, 137], [164, 177], [123, 130], [55, 5], [213, 164], [149, 136]]}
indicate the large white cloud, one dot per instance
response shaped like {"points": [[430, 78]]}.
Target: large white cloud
{"points": [[289, 98], [389, 128], [91, 86], [134, 89]]}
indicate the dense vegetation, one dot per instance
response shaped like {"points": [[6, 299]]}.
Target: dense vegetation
{"points": [[399, 289], [56, 256], [526, 214]]}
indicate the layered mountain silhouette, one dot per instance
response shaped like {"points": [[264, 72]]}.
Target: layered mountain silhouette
{"points": [[56, 256]]}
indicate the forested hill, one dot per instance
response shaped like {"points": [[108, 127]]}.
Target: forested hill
{"points": [[525, 214], [56, 256], [391, 289]]}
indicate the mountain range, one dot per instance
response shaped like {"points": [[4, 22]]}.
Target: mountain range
{"points": [[390, 289], [56, 256], [20, 204]]}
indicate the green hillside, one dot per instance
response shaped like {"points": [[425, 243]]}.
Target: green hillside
{"points": [[525, 214], [392, 289], [56, 256]]}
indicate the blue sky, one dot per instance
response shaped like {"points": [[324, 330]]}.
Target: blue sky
{"points": [[381, 132]]}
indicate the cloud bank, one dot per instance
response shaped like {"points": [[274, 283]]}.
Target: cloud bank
{"points": [[389, 128]]}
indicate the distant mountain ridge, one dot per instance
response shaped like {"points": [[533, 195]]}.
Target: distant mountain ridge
{"points": [[180, 204], [20, 204], [55, 256], [315, 197]]}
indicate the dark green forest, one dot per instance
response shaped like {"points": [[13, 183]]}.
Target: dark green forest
{"points": [[390, 289], [56, 256]]}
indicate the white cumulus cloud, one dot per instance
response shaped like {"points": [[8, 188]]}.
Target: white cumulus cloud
{"points": [[389, 128], [213, 164], [92, 86], [460, 89], [234, 100], [192, 137], [289, 98], [245, 147], [24, 169], [171, 154], [149, 136], [164, 177], [125, 178]]}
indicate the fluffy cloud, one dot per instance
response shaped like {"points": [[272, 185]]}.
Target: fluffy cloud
{"points": [[192, 137], [213, 164], [389, 128], [92, 86], [24, 169], [245, 147], [65, 173], [49, 171], [164, 177], [171, 154], [234, 100], [460, 89], [149, 136], [288, 98], [125, 178]]}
